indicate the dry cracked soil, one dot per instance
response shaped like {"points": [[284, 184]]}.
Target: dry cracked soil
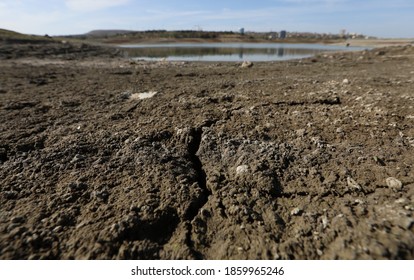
{"points": [[303, 159]]}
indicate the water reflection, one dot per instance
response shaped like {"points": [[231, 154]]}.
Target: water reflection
{"points": [[228, 52]]}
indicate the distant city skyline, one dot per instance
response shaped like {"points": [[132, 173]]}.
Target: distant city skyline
{"points": [[380, 18]]}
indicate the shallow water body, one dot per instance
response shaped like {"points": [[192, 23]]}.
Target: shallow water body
{"points": [[231, 52]]}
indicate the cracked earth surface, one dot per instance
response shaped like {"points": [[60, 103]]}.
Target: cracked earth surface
{"points": [[283, 160]]}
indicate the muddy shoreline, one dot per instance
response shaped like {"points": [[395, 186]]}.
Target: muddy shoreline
{"points": [[304, 159]]}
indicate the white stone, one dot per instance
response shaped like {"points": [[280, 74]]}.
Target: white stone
{"points": [[401, 201], [295, 211], [242, 169], [143, 95], [394, 183], [325, 221], [352, 183], [247, 64]]}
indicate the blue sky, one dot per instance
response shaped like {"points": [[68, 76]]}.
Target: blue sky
{"points": [[381, 18]]}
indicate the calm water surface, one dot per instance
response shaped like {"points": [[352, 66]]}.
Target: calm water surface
{"points": [[228, 51]]}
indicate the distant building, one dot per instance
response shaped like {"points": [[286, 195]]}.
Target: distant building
{"points": [[282, 34], [241, 31]]}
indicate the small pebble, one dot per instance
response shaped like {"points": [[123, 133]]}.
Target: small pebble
{"points": [[247, 64], [57, 229], [242, 169], [345, 81], [401, 200], [409, 207], [325, 221], [295, 211], [359, 201], [352, 183], [394, 183]]}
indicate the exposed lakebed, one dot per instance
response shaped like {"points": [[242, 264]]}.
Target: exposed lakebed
{"points": [[228, 51], [308, 159]]}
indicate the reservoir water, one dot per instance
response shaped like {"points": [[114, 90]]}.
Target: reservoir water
{"points": [[235, 52]]}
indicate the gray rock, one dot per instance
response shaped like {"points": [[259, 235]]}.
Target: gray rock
{"points": [[125, 95]]}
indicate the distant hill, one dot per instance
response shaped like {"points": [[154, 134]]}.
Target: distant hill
{"points": [[16, 37], [4, 33], [115, 36], [110, 32], [121, 36]]}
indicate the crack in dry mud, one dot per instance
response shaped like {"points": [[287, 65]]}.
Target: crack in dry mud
{"points": [[201, 174], [193, 148], [325, 101]]}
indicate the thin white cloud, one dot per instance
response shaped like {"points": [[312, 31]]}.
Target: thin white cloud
{"points": [[93, 5]]}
